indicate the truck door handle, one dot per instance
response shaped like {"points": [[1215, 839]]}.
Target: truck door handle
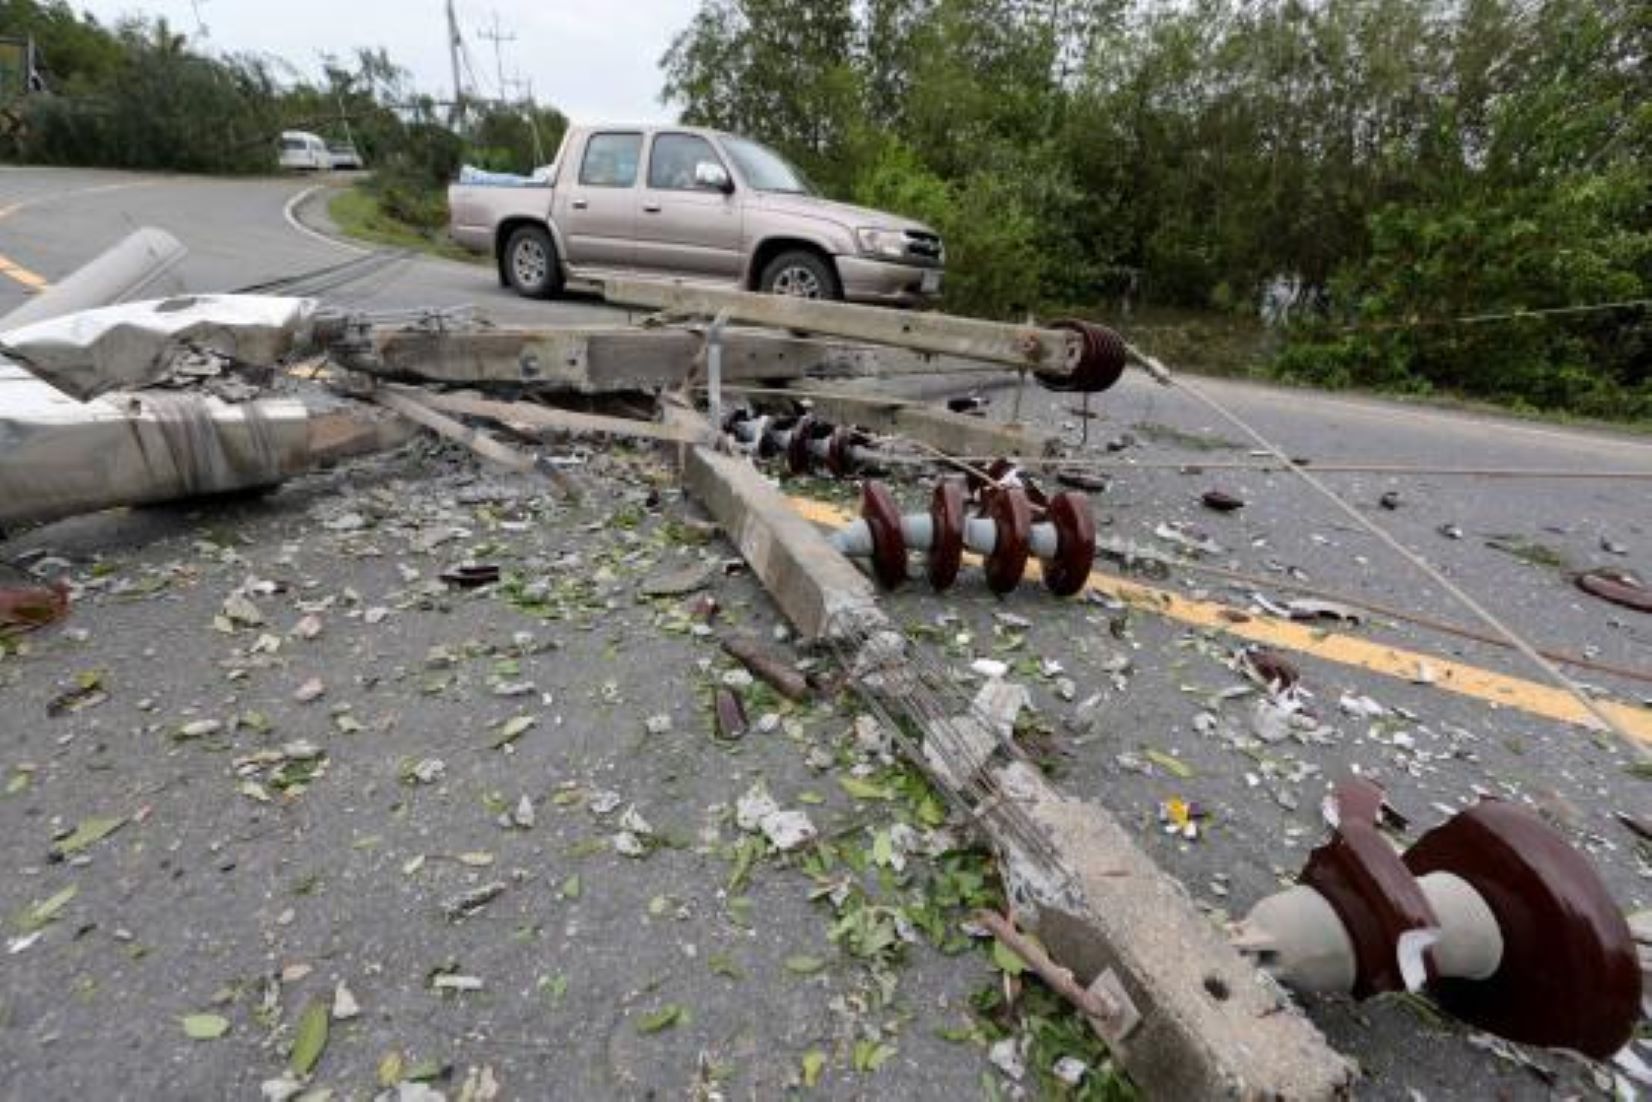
{"points": [[578, 204], [651, 208]]}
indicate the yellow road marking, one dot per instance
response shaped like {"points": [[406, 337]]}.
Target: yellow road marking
{"points": [[33, 280], [1348, 650], [14, 270]]}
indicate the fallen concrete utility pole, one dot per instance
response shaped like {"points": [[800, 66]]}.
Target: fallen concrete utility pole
{"points": [[135, 266], [59, 458], [585, 359], [1024, 346], [1201, 1024]]}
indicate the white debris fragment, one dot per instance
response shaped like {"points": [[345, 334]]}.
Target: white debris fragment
{"points": [[633, 822], [786, 830], [524, 816], [345, 1006], [1007, 1056], [429, 770], [1361, 706], [1070, 1070], [627, 844], [604, 801], [658, 725], [281, 1089], [1001, 703], [312, 690], [990, 668]]}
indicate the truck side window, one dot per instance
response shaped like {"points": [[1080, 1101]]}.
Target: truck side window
{"points": [[671, 165], [611, 160]]}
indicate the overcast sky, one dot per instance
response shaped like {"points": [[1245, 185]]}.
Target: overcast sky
{"points": [[596, 60]]}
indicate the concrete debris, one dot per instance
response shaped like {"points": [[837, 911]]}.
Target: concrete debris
{"points": [[134, 345]]}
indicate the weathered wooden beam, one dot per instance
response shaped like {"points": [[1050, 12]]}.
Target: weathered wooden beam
{"points": [[953, 433], [597, 359], [1049, 350]]}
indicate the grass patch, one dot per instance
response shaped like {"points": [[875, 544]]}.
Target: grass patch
{"points": [[357, 213], [1529, 551]]}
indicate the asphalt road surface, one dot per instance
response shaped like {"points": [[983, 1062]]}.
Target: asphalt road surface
{"points": [[210, 900]]}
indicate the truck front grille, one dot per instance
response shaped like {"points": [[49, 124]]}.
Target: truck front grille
{"points": [[925, 246]]}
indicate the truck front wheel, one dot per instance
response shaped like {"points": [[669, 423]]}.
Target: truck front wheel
{"points": [[802, 275], [531, 263]]}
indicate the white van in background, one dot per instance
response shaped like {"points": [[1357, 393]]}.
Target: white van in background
{"points": [[303, 150]]}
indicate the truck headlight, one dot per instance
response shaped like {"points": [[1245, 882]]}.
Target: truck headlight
{"points": [[876, 242]]}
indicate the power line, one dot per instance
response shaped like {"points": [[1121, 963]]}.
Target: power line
{"points": [[498, 38]]}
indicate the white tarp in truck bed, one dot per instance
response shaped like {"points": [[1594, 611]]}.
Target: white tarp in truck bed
{"points": [[131, 345]]}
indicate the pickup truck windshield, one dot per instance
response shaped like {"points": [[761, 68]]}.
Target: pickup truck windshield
{"points": [[764, 169]]}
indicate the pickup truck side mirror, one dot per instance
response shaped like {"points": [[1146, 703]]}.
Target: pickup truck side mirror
{"points": [[710, 174]]}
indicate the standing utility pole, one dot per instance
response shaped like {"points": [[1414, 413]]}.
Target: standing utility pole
{"points": [[498, 38], [456, 116]]}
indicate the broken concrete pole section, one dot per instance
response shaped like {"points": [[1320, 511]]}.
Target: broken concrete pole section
{"points": [[133, 345]]}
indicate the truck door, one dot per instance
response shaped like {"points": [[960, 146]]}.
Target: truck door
{"points": [[686, 223], [597, 210]]}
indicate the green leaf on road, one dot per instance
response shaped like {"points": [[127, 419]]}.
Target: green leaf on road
{"points": [[1174, 765], [814, 1062], [1005, 959], [511, 730], [46, 910], [864, 790], [662, 1019], [804, 965], [89, 832], [571, 887], [310, 1038], [205, 1027]]}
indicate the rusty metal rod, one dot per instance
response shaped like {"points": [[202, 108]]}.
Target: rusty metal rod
{"points": [[1060, 980]]}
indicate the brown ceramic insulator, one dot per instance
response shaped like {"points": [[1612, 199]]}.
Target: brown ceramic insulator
{"points": [[946, 548], [798, 458], [1370, 889], [840, 457], [1273, 668], [1007, 507], [1075, 544], [1569, 977], [1101, 361], [883, 517]]}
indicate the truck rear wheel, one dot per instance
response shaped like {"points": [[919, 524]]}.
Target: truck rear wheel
{"points": [[531, 264], [802, 275]]}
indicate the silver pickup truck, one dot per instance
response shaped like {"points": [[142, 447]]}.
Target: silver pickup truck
{"points": [[690, 204]]}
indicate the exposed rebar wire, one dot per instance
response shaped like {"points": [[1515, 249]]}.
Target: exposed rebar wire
{"points": [[1502, 315], [1491, 620]]}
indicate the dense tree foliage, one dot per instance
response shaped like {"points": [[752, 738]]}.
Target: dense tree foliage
{"points": [[1371, 170], [138, 95]]}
